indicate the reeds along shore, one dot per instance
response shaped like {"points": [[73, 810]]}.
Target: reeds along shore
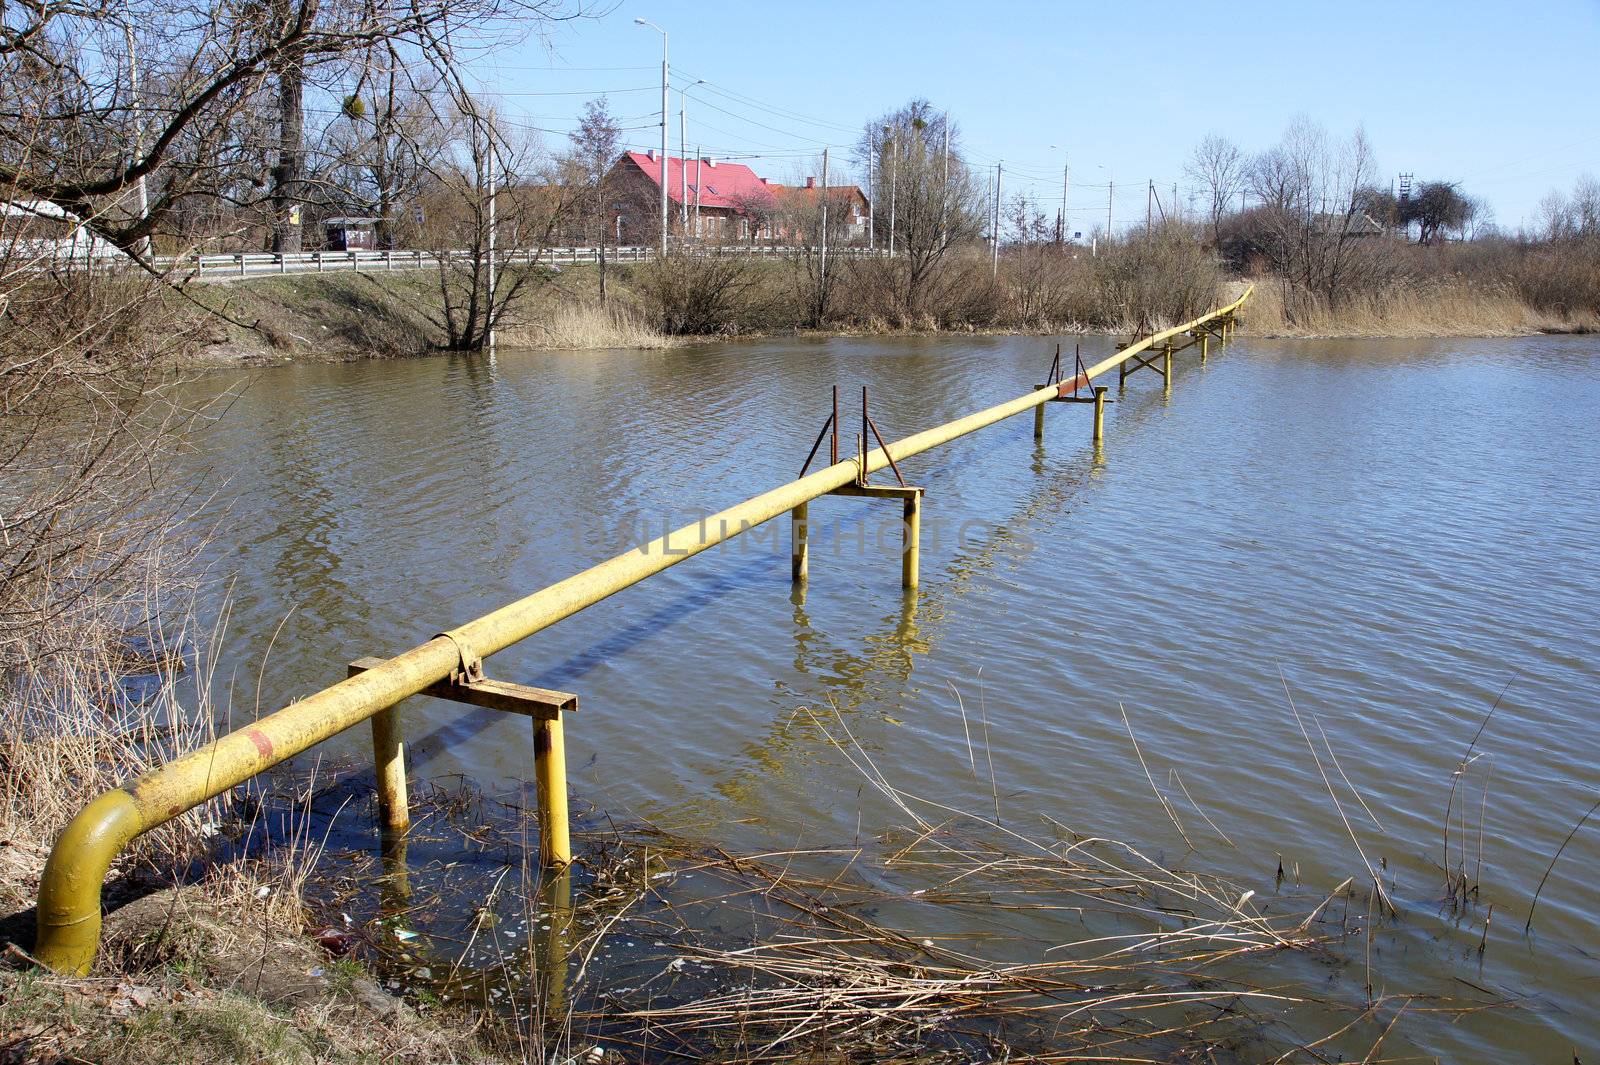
{"points": [[948, 937], [1412, 309], [1136, 286]]}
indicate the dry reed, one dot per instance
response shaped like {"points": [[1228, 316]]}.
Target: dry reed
{"points": [[1449, 308], [674, 949], [583, 326]]}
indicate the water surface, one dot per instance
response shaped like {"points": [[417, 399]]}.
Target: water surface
{"points": [[1399, 531]]}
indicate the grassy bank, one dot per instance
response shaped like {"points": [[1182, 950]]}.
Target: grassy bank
{"points": [[336, 317]]}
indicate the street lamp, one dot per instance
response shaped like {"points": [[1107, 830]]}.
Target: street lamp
{"points": [[665, 72]]}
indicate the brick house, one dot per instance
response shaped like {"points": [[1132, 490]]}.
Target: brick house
{"points": [[734, 202], [800, 201]]}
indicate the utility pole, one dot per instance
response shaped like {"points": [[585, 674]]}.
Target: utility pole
{"points": [[665, 75], [872, 206], [994, 250], [1066, 183], [1176, 213], [142, 246], [683, 162], [699, 183], [822, 262], [1111, 188], [1149, 199], [894, 154]]}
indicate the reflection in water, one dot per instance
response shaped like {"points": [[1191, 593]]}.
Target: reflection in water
{"points": [[1238, 526]]}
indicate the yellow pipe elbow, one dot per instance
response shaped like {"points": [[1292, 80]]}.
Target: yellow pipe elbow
{"points": [[69, 891]]}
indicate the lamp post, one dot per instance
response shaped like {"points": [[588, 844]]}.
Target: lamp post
{"points": [[665, 73]]}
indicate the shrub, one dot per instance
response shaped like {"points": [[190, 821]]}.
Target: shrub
{"points": [[700, 294]]}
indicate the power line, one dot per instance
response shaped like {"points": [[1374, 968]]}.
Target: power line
{"points": [[779, 112]]}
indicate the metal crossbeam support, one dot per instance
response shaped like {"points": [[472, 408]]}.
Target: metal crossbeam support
{"points": [[1141, 363], [549, 751], [911, 515]]}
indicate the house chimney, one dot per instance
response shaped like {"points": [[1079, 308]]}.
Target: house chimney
{"points": [[708, 160], [650, 154], [811, 182]]}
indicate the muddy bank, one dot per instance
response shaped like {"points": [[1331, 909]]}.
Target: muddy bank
{"points": [[187, 976]]}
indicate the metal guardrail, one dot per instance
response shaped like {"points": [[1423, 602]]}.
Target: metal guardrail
{"points": [[451, 664], [260, 264]]}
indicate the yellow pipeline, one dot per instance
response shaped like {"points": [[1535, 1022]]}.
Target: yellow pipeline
{"points": [[69, 891]]}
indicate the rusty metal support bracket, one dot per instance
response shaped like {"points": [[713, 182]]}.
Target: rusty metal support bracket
{"points": [[1079, 379], [549, 745], [469, 666], [868, 424], [879, 491], [832, 423], [538, 703]]}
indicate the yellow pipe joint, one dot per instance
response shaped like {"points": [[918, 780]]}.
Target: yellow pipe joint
{"points": [[69, 890]]}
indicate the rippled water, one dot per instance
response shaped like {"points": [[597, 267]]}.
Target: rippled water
{"points": [[1402, 530]]}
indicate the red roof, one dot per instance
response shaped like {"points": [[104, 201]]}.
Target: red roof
{"points": [[727, 185]]}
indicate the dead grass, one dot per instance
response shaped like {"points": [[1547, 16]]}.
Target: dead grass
{"points": [[211, 960], [192, 1013], [663, 948], [579, 325], [1410, 309]]}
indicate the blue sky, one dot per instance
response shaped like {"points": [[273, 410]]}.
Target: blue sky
{"points": [[1499, 96]]}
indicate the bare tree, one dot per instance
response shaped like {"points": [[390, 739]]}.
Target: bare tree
{"points": [[87, 419], [587, 170], [382, 143], [73, 133], [804, 213], [1220, 168], [479, 285], [1311, 226], [1273, 180], [1436, 206], [925, 202], [760, 211], [1037, 270]]}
